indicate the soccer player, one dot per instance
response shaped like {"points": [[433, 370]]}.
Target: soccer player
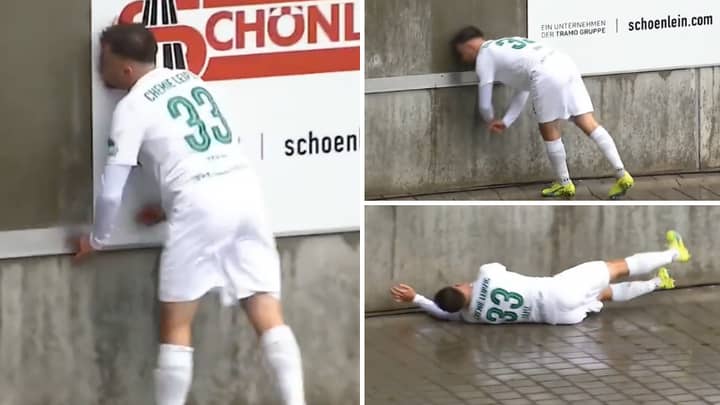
{"points": [[218, 237], [501, 296], [552, 81]]}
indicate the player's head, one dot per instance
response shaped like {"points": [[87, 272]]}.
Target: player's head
{"points": [[453, 299], [466, 43], [128, 52]]}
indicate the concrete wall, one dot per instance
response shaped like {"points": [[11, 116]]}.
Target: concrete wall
{"points": [[431, 247], [46, 158], [87, 334], [430, 141]]}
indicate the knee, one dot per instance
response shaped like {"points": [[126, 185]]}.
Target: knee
{"points": [[176, 334], [551, 137], [550, 131], [264, 312], [586, 123]]}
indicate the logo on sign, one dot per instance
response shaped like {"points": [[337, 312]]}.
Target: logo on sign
{"points": [[239, 39]]}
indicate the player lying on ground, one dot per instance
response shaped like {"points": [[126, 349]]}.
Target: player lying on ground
{"points": [[501, 296], [557, 91], [218, 237]]}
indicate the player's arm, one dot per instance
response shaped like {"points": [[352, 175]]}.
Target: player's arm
{"points": [[405, 293], [485, 71], [517, 104], [108, 202], [485, 102], [126, 135]]}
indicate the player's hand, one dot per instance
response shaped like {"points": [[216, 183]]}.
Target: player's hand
{"points": [[402, 293], [151, 215], [84, 248], [496, 127]]}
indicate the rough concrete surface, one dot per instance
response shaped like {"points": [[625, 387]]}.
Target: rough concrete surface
{"points": [[710, 118], [409, 37], [46, 157], [431, 247], [658, 349], [682, 187], [431, 141], [87, 335]]}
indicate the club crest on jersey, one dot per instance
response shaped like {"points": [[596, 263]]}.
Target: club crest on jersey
{"points": [[112, 147], [240, 39]]}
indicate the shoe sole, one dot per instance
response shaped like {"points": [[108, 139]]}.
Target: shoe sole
{"points": [[558, 196]]}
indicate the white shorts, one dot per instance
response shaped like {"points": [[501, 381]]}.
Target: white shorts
{"points": [[575, 292], [218, 239], [557, 90]]}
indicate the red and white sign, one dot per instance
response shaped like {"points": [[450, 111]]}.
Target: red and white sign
{"points": [[292, 73]]}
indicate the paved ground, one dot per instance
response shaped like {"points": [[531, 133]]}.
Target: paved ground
{"points": [[672, 187], [659, 349]]}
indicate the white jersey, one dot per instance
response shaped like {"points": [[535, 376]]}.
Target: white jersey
{"points": [[501, 296], [510, 61], [218, 236], [174, 128]]}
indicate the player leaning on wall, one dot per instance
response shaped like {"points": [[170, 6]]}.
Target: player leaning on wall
{"points": [[218, 236], [558, 92]]}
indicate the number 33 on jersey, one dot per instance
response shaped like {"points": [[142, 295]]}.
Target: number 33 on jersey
{"points": [[174, 126]]}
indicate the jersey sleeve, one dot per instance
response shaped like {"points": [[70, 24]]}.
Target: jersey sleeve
{"points": [[485, 102], [431, 308], [490, 269], [107, 203], [485, 68], [126, 135], [516, 107]]}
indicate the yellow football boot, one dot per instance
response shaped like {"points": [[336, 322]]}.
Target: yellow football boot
{"points": [[674, 241], [558, 190], [621, 186], [666, 282]]}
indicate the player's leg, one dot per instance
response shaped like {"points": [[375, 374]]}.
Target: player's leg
{"points": [[644, 263], [563, 187], [549, 108], [587, 123], [173, 375], [633, 289], [278, 344]]}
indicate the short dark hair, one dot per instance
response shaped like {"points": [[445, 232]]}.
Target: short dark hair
{"points": [[131, 41], [466, 34], [450, 299]]}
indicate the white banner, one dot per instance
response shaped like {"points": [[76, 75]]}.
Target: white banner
{"points": [[293, 73], [617, 36]]}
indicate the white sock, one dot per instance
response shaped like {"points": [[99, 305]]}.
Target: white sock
{"points": [[633, 289], [283, 354], [643, 263], [173, 374], [607, 145], [558, 159]]}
